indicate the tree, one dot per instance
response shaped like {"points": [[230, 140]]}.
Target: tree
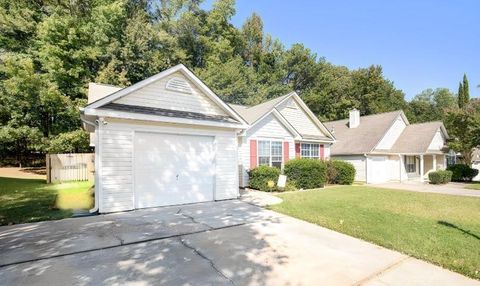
{"points": [[463, 126], [70, 142], [431, 105], [463, 93], [252, 32]]}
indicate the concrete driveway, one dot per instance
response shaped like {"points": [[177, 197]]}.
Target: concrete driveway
{"points": [[220, 243], [456, 189]]}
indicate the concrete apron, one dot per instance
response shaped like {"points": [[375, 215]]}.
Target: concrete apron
{"points": [[229, 242]]}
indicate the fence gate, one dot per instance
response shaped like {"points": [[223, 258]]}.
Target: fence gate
{"points": [[70, 167]]}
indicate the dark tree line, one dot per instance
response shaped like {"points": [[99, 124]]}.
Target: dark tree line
{"points": [[51, 49]]}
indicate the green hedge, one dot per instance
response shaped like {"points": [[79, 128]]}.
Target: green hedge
{"points": [[340, 172], [462, 173], [306, 173], [261, 175], [440, 177]]}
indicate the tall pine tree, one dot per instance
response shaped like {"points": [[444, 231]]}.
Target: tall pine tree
{"points": [[460, 95], [466, 90]]}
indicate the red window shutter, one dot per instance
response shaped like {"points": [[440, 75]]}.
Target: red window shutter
{"points": [[322, 152], [297, 150], [253, 154], [286, 148]]}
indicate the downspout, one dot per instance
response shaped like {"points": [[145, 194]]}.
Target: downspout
{"points": [[95, 207]]}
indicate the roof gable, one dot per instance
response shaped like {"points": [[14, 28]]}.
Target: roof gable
{"points": [[254, 114], [176, 89], [365, 137], [272, 125]]}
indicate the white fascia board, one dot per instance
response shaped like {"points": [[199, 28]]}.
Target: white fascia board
{"points": [[184, 70], [283, 121], [116, 95], [212, 95], [311, 115], [164, 119]]}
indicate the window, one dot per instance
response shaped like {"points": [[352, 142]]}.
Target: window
{"points": [[311, 151], [270, 153], [410, 164]]}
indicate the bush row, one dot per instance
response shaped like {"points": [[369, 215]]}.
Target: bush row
{"points": [[440, 177], [462, 173], [303, 173]]}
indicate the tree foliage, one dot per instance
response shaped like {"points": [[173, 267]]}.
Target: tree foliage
{"points": [[50, 50]]}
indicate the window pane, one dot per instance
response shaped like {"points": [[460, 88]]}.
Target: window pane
{"points": [[264, 161], [277, 164], [264, 148], [276, 148]]}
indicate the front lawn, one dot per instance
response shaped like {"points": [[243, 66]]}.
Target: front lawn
{"points": [[30, 200], [442, 229]]}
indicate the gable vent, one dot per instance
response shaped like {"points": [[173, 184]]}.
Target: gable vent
{"points": [[179, 84]]}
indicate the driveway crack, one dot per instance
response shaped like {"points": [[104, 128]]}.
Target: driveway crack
{"points": [[193, 219], [203, 256]]}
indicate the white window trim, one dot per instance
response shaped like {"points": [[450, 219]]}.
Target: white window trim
{"points": [[270, 141], [310, 157]]}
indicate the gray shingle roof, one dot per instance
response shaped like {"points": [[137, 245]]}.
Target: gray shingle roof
{"points": [[168, 112], [416, 138], [253, 113], [365, 137]]}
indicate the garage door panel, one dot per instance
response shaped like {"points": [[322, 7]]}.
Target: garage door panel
{"points": [[173, 169]]}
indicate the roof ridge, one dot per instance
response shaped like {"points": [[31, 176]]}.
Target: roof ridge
{"points": [[369, 115]]}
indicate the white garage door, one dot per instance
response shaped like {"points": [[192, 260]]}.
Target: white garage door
{"points": [[377, 170], [173, 169]]}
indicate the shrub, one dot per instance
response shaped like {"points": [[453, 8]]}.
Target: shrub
{"points": [[462, 173], [306, 173], [260, 176], [331, 172], [344, 172], [440, 177], [289, 187]]}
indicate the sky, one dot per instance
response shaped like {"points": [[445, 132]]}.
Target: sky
{"points": [[420, 44]]}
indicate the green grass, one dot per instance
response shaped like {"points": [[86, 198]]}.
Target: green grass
{"points": [[441, 229], [473, 186], [30, 200]]}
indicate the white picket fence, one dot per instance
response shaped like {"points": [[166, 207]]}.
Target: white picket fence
{"points": [[70, 167]]}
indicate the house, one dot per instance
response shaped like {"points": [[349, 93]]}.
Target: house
{"points": [[385, 147], [280, 129], [476, 163], [163, 141]]}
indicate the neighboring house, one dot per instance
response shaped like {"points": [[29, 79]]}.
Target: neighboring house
{"points": [[476, 163], [280, 129], [163, 141], [385, 147]]}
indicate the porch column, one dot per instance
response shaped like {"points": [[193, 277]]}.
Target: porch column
{"points": [[421, 169], [400, 161], [434, 157]]}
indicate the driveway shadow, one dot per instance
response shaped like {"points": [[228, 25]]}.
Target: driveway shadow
{"points": [[192, 244]]}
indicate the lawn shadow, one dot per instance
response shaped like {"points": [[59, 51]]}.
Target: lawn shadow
{"points": [[447, 224]]}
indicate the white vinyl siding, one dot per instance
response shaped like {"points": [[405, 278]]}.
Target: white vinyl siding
{"points": [[157, 95], [298, 118], [268, 129], [392, 134], [438, 141], [116, 160], [116, 172]]}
